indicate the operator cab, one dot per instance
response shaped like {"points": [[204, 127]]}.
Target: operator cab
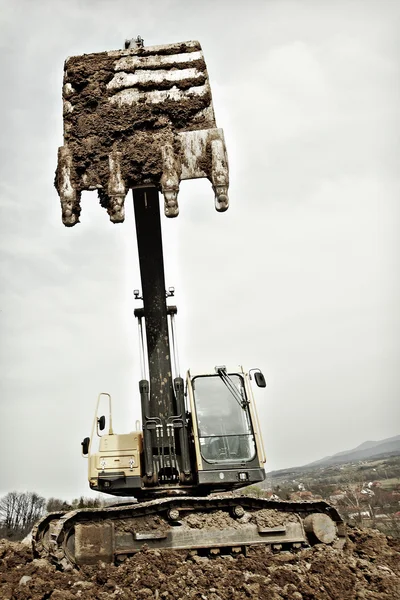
{"points": [[223, 420], [229, 449]]}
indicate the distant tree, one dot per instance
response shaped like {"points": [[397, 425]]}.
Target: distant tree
{"points": [[355, 505], [253, 490], [320, 489], [56, 505], [83, 502], [18, 513]]}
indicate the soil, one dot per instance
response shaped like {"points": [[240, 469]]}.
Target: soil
{"points": [[220, 519], [94, 125], [367, 569]]}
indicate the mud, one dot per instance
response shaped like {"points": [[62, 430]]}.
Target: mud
{"points": [[368, 569], [143, 524], [170, 49], [95, 124], [270, 518], [220, 519]]}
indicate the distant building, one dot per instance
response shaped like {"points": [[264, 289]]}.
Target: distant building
{"points": [[272, 496], [362, 513], [337, 496]]}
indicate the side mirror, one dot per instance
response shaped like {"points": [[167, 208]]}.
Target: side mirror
{"points": [[260, 379], [101, 422], [85, 446]]}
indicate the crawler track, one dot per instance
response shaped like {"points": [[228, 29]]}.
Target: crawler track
{"points": [[41, 534], [212, 525]]}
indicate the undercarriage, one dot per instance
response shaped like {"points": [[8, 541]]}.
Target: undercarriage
{"points": [[223, 524]]}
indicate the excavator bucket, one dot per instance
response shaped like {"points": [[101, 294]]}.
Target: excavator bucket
{"points": [[142, 116]]}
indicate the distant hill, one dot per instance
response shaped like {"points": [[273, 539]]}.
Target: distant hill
{"points": [[364, 451]]}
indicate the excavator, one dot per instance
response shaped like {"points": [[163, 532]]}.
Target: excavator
{"points": [[142, 118]]}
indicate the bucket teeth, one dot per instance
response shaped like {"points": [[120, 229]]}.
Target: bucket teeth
{"points": [[170, 181], [139, 117], [116, 189], [69, 196], [219, 175]]}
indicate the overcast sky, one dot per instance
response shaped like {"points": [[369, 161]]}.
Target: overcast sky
{"points": [[300, 277]]}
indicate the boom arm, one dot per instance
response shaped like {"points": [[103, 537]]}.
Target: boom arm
{"points": [[149, 240], [166, 454]]}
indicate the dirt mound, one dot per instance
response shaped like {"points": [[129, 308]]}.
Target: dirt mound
{"points": [[368, 569]]}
